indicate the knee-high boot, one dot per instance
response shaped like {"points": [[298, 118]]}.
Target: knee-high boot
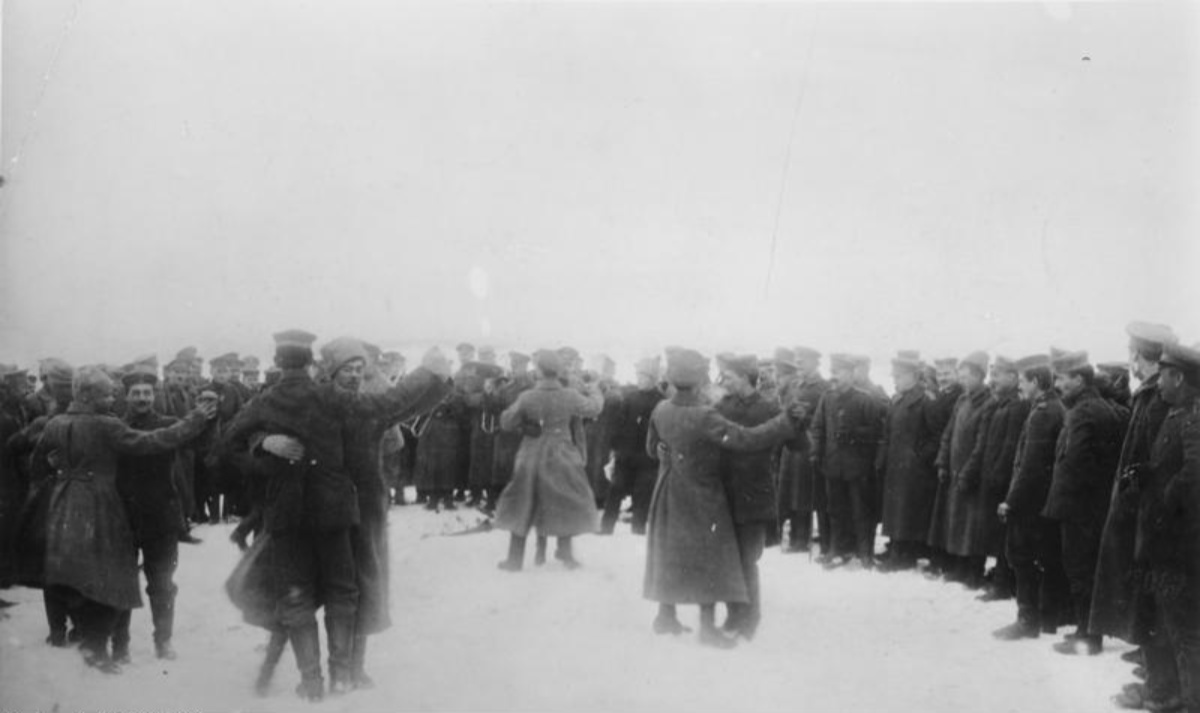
{"points": [[539, 553], [563, 553], [516, 554], [340, 632], [358, 658], [275, 647], [306, 645]]}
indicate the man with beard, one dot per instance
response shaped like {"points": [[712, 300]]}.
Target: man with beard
{"points": [[1032, 542], [634, 471], [905, 466], [1085, 464], [312, 509], [800, 487], [1119, 606], [152, 503], [749, 484], [846, 432]]}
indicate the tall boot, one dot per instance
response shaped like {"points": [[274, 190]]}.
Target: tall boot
{"points": [[162, 611], [358, 657], [340, 632], [710, 635], [563, 553], [56, 616], [539, 554], [306, 645], [275, 647], [516, 554]]}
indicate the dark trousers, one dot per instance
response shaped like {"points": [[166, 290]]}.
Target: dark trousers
{"points": [[1080, 548], [1033, 550], [315, 568], [1162, 671], [1178, 614], [850, 517], [160, 557], [751, 539], [629, 479]]}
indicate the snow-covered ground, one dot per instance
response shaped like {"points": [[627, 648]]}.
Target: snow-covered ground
{"points": [[470, 637]]}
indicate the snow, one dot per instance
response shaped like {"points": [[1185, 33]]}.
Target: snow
{"points": [[467, 636]]}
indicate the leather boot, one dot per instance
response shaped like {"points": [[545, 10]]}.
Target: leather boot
{"points": [[539, 553], [563, 553], [358, 657], [275, 647], [339, 631], [306, 645], [516, 554]]}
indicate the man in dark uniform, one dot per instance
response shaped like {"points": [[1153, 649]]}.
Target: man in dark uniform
{"points": [[1085, 465], [311, 504], [14, 416], [502, 394], [1167, 553], [749, 483], [251, 375], [800, 487], [148, 489], [634, 471], [846, 432], [1032, 541], [599, 429], [1119, 606]]}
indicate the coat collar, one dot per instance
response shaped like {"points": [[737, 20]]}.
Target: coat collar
{"points": [[548, 384], [78, 407]]}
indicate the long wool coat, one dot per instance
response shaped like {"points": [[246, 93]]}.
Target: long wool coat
{"points": [[691, 548], [549, 489], [800, 487], [1004, 421], [1116, 587], [440, 446], [910, 445], [79, 530], [959, 456], [504, 451]]}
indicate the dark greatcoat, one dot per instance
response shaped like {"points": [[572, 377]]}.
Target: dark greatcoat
{"points": [[1033, 463], [1168, 533], [691, 547], [631, 425], [79, 531], [320, 493], [910, 445], [800, 487], [504, 452], [1085, 459], [549, 490], [748, 476], [846, 432], [599, 441], [1003, 422], [440, 445], [960, 454], [148, 487], [1116, 589], [14, 486]]}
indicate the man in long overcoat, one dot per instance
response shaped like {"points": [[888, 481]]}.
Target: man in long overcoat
{"points": [[1085, 465], [800, 486], [634, 471], [905, 465], [1119, 607], [312, 504]]}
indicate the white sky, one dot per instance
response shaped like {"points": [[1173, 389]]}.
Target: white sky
{"points": [[960, 177]]}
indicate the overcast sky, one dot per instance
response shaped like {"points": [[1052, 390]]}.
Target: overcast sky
{"points": [[945, 177]]}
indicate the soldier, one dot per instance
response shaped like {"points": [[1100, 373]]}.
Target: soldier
{"points": [[1032, 542], [1119, 607], [14, 416], [465, 383], [152, 503], [504, 452], [961, 474], [846, 433], [312, 504], [250, 375], [598, 430], [749, 483], [905, 465], [1112, 381], [1085, 463], [800, 487], [549, 491], [1167, 554], [484, 423], [634, 471], [1004, 420], [691, 549]]}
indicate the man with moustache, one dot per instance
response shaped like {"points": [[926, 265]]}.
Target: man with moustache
{"points": [[152, 502]]}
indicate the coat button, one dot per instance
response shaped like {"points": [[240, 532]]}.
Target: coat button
{"points": [[312, 462]]}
